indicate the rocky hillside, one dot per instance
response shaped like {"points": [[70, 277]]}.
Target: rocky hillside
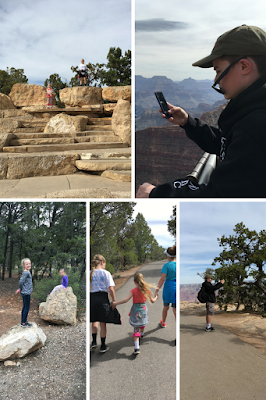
{"points": [[196, 97], [165, 153], [189, 292]]}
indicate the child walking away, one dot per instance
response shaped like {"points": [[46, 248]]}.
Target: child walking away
{"points": [[64, 281], [168, 279], [49, 96], [83, 74], [102, 283], [138, 316], [25, 288]]}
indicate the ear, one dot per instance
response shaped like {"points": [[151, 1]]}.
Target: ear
{"points": [[245, 66]]}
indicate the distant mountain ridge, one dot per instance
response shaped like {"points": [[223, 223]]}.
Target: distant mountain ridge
{"points": [[196, 97], [189, 292]]}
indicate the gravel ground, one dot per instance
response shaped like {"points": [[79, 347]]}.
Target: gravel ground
{"points": [[58, 371]]}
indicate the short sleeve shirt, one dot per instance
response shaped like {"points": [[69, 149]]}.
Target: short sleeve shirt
{"points": [[170, 270], [138, 297], [101, 281]]}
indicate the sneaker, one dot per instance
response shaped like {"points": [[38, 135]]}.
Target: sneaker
{"points": [[163, 324], [23, 325], [103, 348], [93, 345], [210, 329], [28, 324], [136, 351]]}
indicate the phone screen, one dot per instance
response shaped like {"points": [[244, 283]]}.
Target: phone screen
{"points": [[163, 104]]}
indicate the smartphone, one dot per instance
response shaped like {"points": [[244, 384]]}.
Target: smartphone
{"points": [[163, 104]]}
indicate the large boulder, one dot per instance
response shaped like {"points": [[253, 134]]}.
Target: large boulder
{"points": [[60, 307], [7, 125], [17, 342], [121, 121], [25, 94], [115, 93], [80, 96], [45, 164], [5, 102], [66, 124]]}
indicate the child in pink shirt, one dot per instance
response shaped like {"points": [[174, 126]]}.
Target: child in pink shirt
{"points": [[138, 316]]}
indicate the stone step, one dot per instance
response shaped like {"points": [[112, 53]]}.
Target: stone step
{"points": [[99, 121], [61, 147], [31, 123], [35, 135], [41, 141], [63, 139], [122, 176], [98, 127], [103, 165], [100, 132], [124, 153], [98, 138], [29, 130]]}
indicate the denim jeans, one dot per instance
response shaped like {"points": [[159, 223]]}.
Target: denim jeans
{"points": [[26, 307]]}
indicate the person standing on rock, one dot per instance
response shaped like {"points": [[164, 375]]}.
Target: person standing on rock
{"points": [[49, 95], [25, 289], [83, 74], [209, 290], [102, 284], [64, 281], [168, 279]]}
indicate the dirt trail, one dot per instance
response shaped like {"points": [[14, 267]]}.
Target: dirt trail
{"points": [[248, 326]]}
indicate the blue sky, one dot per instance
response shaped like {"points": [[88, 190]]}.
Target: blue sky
{"points": [[157, 213], [171, 35], [201, 223], [47, 37]]}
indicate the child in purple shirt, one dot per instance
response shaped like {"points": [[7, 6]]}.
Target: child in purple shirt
{"points": [[64, 281]]}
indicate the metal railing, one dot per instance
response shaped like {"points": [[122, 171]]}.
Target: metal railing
{"points": [[204, 168]]}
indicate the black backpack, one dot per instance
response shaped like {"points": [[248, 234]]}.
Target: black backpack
{"points": [[202, 295]]}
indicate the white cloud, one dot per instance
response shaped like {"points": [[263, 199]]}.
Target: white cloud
{"points": [[171, 53], [201, 223], [47, 37]]}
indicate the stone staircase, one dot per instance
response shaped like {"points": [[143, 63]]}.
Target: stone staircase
{"points": [[99, 151]]}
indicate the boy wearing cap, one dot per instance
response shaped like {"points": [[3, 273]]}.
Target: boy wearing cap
{"points": [[239, 60], [210, 289]]}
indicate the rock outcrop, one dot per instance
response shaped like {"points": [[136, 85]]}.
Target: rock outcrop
{"points": [[17, 342], [60, 307], [25, 94], [5, 102], [121, 121], [80, 96], [115, 93], [66, 124]]}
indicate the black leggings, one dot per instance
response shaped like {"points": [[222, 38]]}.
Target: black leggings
{"points": [[26, 307]]}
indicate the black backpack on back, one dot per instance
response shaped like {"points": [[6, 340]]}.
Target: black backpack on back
{"points": [[202, 295]]}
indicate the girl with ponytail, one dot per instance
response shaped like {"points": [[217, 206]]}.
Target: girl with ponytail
{"points": [[139, 310]]}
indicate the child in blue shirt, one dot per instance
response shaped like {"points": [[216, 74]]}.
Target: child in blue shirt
{"points": [[168, 278]]}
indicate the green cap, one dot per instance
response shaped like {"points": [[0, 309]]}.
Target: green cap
{"points": [[208, 276], [241, 41]]}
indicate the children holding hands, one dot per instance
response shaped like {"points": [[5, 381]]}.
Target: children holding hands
{"points": [[138, 317]]}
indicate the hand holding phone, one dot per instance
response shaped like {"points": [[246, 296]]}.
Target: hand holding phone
{"points": [[163, 104]]}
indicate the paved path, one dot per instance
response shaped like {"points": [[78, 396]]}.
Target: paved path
{"points": [[80, 185], [218, 365], [118, 374]]}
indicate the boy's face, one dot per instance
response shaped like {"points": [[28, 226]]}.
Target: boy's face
{"points": [[232, 83]]}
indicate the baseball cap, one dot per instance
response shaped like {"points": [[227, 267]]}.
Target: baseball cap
{"points": [[242, 40]]}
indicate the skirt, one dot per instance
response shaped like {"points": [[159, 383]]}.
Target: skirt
{"points": [[100, 310], [169, 292], [139, 315]]}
